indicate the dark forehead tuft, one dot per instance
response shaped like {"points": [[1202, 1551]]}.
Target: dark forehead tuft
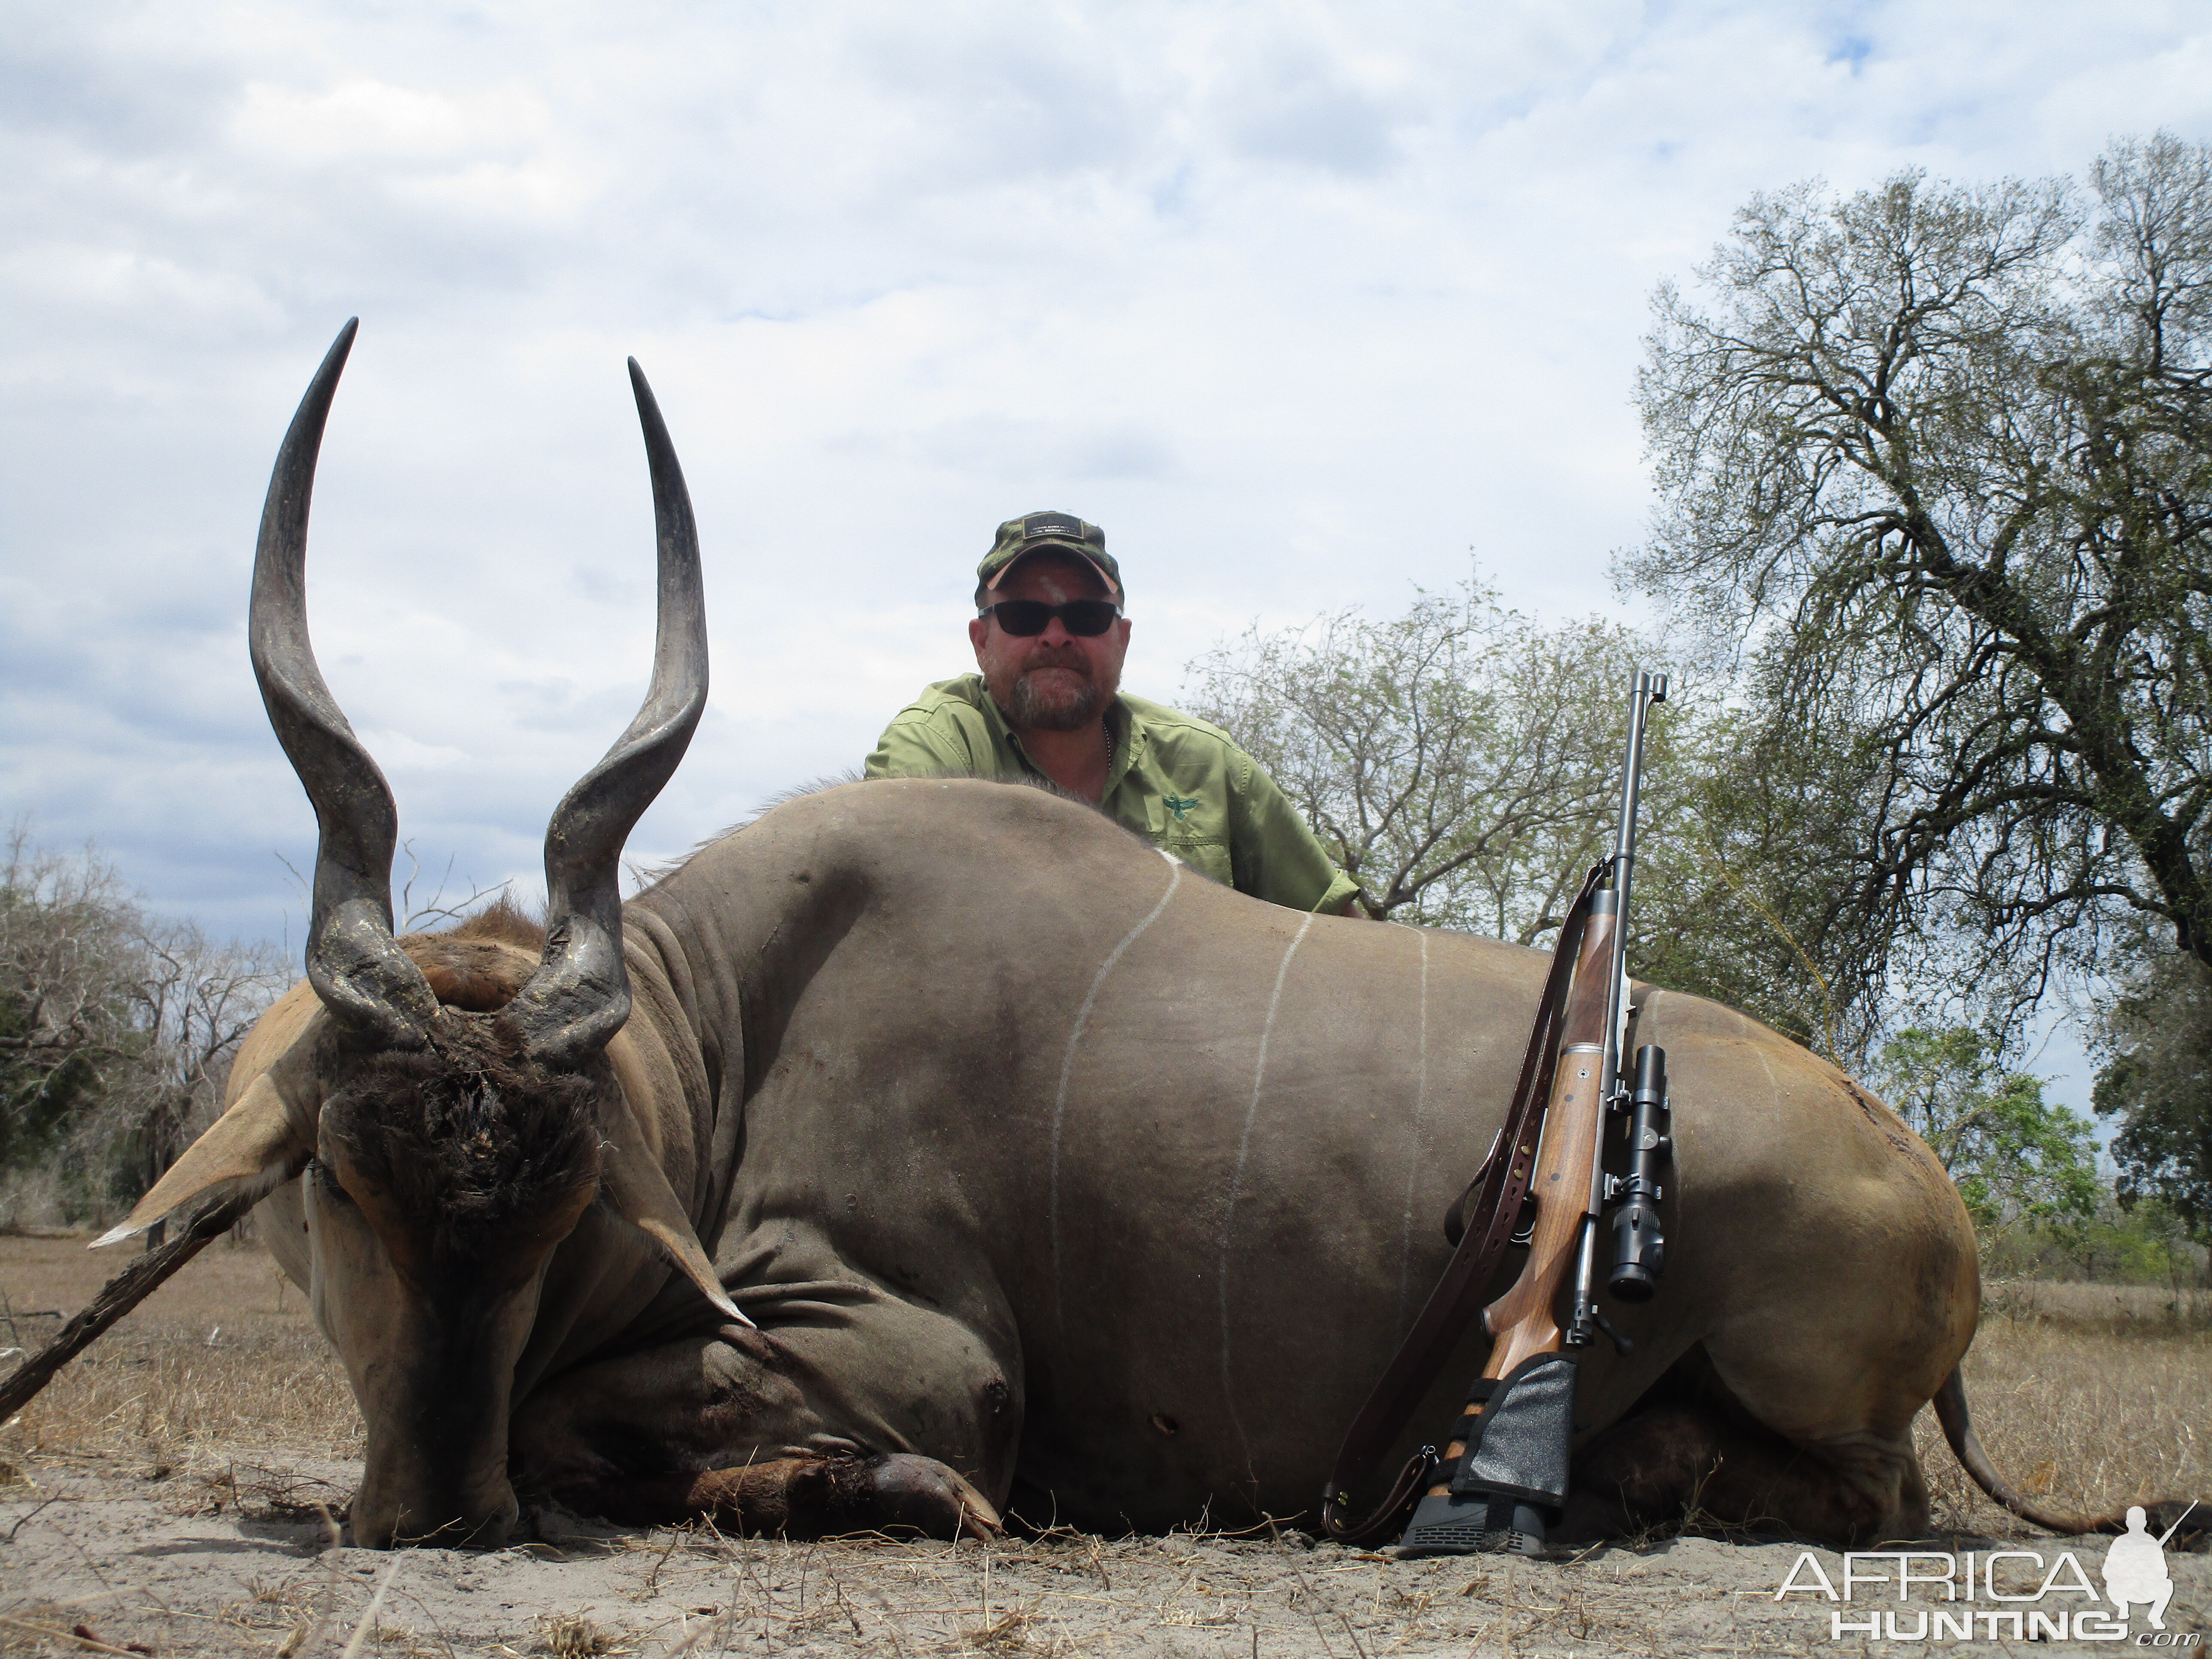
{"points": [[471, 1139]]}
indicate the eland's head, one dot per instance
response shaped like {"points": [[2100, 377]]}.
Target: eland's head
{"points": [[448, 1105]]}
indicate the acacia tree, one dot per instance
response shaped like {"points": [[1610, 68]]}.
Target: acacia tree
{"points": [[117, 1027], [1462, 763], [1939, 459], [1456, 761]]}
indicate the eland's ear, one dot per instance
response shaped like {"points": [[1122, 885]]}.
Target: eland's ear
{"points": [[255, 1142], [634, 1184]]}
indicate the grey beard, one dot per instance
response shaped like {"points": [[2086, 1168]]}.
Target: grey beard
{"points": [[1066, 712]]}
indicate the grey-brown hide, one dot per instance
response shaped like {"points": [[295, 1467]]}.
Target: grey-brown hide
{"points": [[1037, 1154]]}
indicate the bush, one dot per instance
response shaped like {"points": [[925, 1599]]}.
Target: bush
{"points": [[116, 1030]]}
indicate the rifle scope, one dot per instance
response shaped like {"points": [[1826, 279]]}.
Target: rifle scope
{"points": [[1639, 1248]]}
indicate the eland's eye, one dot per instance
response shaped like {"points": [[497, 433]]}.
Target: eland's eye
{"points": [[327, 1183]]}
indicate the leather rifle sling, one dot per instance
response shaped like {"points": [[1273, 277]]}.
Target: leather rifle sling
{"points": [[1458, 1295]]}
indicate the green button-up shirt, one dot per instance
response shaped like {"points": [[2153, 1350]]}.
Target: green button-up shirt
{"points": [[1179, 782]]}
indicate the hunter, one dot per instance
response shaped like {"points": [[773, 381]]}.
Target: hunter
{"points": [[1046, 702]]}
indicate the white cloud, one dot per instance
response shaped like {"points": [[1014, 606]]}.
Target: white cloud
{"points": [[370, 120]]}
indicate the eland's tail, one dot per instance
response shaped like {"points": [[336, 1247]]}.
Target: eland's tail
{"points": [[2164, 1516]]}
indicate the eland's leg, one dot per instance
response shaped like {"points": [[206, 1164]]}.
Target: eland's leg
{"points": [[1685, 1465], [848, 1411], [1693, 1453]]}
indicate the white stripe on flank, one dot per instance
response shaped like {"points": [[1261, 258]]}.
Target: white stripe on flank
{"points": [[1237, 1182], [1413, 1149], [1067, 1063]]}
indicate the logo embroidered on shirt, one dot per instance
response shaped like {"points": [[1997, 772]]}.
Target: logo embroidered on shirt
{"points": [[1179, 807]]}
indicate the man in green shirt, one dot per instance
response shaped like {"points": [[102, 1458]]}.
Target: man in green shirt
{"points": [[1048, 703]]}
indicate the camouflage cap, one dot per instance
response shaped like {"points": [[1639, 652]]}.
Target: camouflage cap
{"points": [[1034, 532]]}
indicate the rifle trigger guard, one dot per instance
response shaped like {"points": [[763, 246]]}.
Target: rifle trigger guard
{"points": [[1621, 1343]]}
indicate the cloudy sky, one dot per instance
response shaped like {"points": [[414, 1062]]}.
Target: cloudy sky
{"points": [[1301, 302]]}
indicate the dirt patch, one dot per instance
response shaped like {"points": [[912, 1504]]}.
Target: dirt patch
{"points": [[171, 1566], [177, 1488]]}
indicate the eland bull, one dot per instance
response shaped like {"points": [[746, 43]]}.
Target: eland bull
{"points": [[925, 1148]]}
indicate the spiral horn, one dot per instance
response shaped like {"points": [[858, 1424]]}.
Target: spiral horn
{"points": [[354, 964], [579, 997]]}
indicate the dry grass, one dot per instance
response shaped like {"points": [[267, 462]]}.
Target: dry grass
{"points": [[222, 1357], [574, 1636], [2114, 1309], [2088, 1397]]}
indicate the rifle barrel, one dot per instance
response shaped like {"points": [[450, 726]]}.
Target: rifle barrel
{"points": [[1644, 689]]}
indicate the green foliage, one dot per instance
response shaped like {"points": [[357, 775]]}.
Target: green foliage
{"points": [[1935, 467], [2014, 1155], [2145, 1242], [2157, 1079]]}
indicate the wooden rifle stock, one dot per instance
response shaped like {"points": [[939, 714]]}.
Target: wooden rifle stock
{"points": [[1523, 1322]]}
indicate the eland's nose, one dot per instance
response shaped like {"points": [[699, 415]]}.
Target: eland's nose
{"points": [[484, 1525]]}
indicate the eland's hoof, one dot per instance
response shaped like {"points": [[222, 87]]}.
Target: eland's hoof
{"points": [[927, 1496]]}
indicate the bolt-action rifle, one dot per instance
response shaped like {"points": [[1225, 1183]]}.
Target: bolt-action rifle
{"points": [[1503, 1477]]}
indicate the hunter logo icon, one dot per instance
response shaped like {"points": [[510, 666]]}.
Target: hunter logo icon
{"points": [[1180, 805], [2135, 1569], [1964, 1595]]}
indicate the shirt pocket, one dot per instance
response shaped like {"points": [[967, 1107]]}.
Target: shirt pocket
{"points": [[1207, 854]]}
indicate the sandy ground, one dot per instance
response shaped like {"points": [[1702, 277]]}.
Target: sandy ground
{"points": [[145, 1500], [187, 1565]]}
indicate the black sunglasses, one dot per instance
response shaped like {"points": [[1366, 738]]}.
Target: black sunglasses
{"points": [[1026, 619]]}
